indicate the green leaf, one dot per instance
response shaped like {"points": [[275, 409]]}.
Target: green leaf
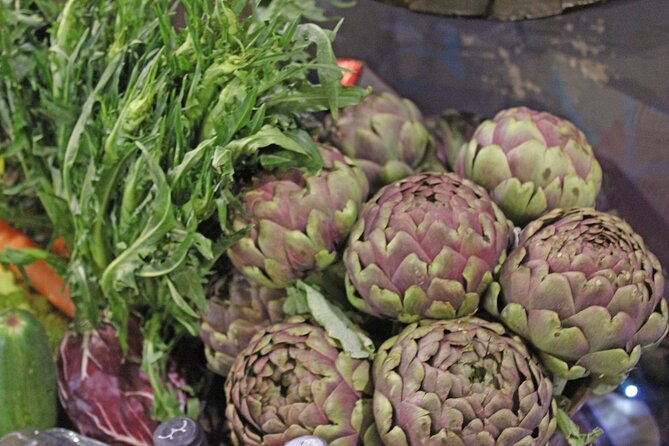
{"points": [[120, 273], [572, 433], [296, 302], [188, 281], [176, 258], [74, 145], [327, 76], [28, 256], [24, 256], [181, 302], [155, 351], [313, 98], [190, 161], [289, 159], [268, 136], [334, 321]]}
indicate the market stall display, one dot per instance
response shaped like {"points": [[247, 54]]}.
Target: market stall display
{"points": [[238, 235]]}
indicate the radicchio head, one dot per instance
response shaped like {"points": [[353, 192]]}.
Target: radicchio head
{"points": [[104, 392]]}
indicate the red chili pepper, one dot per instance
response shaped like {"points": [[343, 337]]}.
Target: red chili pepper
{"points": [[355, 68]]}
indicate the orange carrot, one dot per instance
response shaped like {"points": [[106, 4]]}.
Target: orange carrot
{"points": [[44, 279], [60, 249]]}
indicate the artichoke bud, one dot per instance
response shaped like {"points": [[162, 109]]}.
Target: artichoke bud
{"points": [[425, 247], [386, 136], [293, 380], [298, 220], [584, 290], [462, 382], [531, 162], [451, 130], [237, 309]]}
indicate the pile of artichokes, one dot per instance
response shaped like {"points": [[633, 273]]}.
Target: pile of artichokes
{"points": [[499, 320]]}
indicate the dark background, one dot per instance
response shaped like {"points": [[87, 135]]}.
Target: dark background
{"points": [[604, 67]]}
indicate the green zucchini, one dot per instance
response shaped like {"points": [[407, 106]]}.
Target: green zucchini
{"points": [[28, 396]]}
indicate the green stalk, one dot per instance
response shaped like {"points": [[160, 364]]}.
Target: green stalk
{"points": [[74, 142]]}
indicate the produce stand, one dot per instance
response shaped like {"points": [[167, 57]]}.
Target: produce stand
{"points": [[201, 215]]}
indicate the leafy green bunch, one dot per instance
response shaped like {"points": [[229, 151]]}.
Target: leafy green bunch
{"points": [[133, 121]]}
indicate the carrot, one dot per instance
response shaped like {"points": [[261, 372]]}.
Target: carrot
{"points": [[60, 249], [44, 279]]}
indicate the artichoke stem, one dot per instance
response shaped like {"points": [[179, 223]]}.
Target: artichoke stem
{"points": [[578, 399], [558, 385]]}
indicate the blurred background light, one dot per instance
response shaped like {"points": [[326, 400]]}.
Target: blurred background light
{"points": [[631, 391]]}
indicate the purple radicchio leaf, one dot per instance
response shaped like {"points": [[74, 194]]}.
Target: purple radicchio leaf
{"points": [[105, 393]]}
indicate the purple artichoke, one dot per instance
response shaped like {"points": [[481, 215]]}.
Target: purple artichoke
{"points": [[293, 380], [460, 383], [297, 221], [451, 130], [584, 290], [238, 309], [425, 247], [531, 162], [386, 136]]}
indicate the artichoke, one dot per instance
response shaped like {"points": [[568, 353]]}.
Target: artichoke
{"points": [[297, 220], [237, 309], [425, 247], [294, 380], [584, 290], [531, 162], [460, 383], [451, 130], [385, 135]]}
